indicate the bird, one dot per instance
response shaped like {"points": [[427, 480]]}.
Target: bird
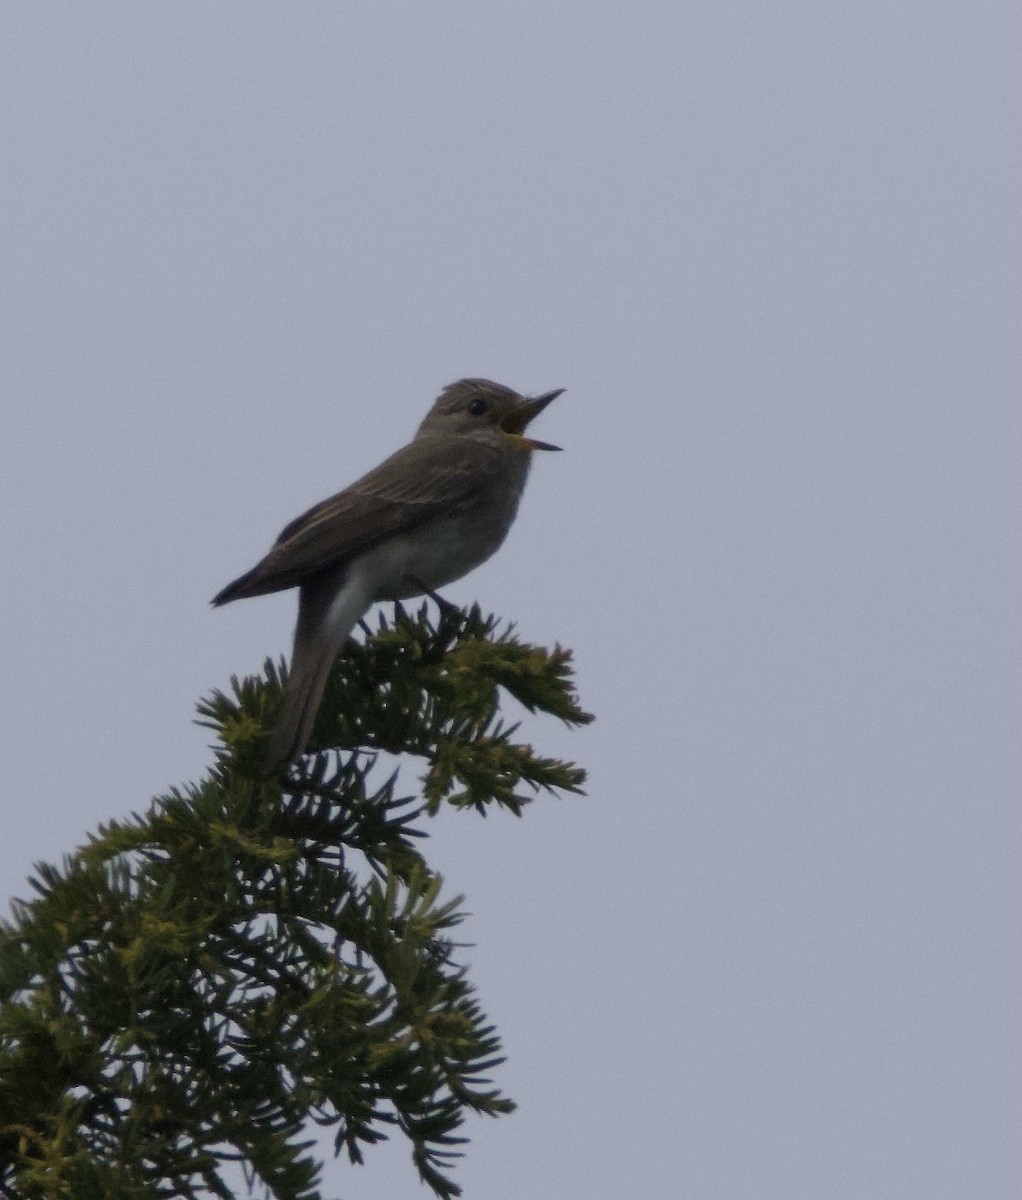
{"points": [[426, 516]]}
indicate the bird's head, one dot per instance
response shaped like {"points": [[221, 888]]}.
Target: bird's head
{"points": [[488, 411]]}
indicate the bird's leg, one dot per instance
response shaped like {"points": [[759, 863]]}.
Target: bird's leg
{"points": [[447, 609]]}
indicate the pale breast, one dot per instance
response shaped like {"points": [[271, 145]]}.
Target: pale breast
{"points": [[445, 549]]}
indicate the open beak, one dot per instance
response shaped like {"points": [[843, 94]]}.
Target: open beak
{"points": [[518, 418]]}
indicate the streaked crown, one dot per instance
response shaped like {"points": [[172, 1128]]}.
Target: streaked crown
{"points": [[481, 399]]}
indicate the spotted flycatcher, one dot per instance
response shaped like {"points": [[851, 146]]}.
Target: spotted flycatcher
{"points": [[424, 517]]}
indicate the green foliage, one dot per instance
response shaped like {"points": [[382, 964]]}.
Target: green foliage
{"points": [[202, 984]]}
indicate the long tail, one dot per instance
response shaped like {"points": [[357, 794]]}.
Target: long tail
{"points": [[327, 611]]}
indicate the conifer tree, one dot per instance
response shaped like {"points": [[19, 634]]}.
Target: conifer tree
{"points": [[197, 988]]}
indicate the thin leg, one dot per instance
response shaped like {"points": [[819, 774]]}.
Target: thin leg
{"points": [[445, 606]]}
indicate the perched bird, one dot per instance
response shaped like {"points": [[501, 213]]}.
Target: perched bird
{"points": [[424, 517]]}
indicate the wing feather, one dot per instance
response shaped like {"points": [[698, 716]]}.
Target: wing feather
{"points": [[417, 483]]}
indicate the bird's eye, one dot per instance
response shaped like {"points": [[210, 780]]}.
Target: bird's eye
{"points": [[477, 407]]}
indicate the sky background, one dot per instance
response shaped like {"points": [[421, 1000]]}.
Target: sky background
{"points": [[772, 253]]}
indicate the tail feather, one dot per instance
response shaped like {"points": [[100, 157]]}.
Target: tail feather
{"points": [[328, 608], [302, 694]]}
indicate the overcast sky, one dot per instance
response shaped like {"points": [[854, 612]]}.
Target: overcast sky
{"points": [[772, 253]]}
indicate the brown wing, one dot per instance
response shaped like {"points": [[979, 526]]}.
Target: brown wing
{"points": [[420, 481]]}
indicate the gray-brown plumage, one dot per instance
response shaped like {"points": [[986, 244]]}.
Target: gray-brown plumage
{"points": [[424, 517]]}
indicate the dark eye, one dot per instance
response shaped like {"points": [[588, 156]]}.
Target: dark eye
{"points": [[477, 407]]}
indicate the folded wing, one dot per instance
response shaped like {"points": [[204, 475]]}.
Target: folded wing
{"points": [[402, 493]]}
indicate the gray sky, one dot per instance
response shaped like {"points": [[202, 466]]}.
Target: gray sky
{"points": [[772, 252]]}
